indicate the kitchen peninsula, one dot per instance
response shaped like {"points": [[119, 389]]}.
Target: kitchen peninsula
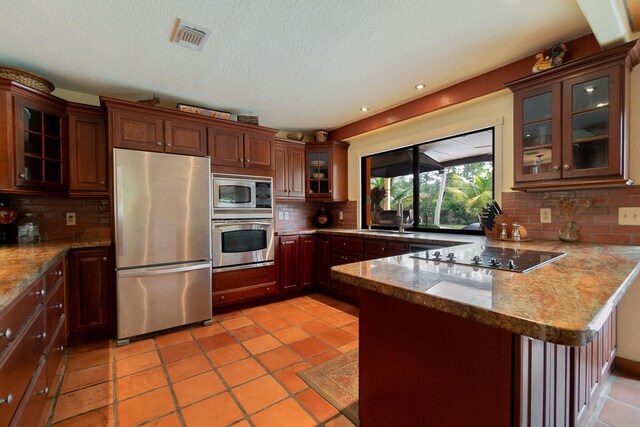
{"points": [[447, 344]]}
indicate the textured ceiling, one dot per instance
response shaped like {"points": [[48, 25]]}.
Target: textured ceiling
{"points": [[299, 65]]}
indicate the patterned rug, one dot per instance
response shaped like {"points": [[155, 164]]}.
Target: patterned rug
{"points": [[337, 381]]}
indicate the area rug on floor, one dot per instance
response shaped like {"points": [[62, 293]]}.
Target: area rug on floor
{"points": [[337, 381]]}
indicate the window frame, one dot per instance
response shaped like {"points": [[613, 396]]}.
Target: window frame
{"points": [[416, 184]]}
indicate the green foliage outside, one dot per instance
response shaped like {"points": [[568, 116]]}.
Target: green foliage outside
{"points": [[468, 189]]}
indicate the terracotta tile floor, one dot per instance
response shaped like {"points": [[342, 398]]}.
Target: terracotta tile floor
{"points": [[240, 371]]}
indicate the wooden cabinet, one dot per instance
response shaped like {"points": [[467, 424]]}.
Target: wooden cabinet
{"points": [[560, 385], [239, 149], [570, 124], [383, 248], [345, 250], [289, 158], [140, 127], [326, 171], [87, 151], [296, 262], [322, 265], [33, 338], [238, 286], [33, 130], [91, 295]]}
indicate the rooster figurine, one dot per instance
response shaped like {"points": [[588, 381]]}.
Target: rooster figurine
{"points": [[549, 58]]}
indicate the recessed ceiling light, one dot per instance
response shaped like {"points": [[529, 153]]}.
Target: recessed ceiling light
{"points": [[419, 86], [590, 89], [364, 109]]}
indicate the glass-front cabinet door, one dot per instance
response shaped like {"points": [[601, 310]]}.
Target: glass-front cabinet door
{"points": [[538, 131], [41, 146], [592, 124], [319, 164]]}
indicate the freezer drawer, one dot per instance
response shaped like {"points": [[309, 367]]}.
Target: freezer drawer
{"points": [[155, 298]]}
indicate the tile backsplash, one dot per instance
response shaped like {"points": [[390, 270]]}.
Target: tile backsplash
{"points": [[301, 214], [598, 223], [92, 216]]}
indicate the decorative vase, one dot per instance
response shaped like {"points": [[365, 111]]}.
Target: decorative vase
{"points": [[321, 135], [568, 232], [321, 219]]}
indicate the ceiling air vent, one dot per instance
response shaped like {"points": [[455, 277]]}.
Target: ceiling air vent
{"points": [[191, 36]]}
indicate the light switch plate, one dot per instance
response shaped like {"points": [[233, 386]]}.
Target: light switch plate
{"points": [[286, 215], [629, 216], [280, 215], [545, 215], [340, 215]]}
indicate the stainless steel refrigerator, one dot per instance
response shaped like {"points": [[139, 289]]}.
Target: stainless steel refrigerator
{"points": [[162, 211]]}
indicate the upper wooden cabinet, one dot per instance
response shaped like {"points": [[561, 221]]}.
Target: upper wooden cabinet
{"points": [[87, 151], [326, 170], [239, 148], [289, 158], [33, 153], [570, 123], [141, 127]]}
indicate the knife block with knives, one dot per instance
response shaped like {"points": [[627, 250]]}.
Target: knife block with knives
{"points": [[494, 233], [491, 217]]}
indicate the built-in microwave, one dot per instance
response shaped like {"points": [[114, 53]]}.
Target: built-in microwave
{"points": [[241, 196]]}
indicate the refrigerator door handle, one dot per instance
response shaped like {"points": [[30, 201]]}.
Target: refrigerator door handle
{"points": [[120, 210], [150, 271]]}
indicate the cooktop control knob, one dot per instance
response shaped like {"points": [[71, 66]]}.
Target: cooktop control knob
{"points": [[451, 256], [494, 262], [476, 260], [511, 265], [437, 254]]}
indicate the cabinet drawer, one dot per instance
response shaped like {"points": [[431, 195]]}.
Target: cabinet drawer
{"points": [[54, 310], [31, 410], [385, 247], [54, 356], [350, 244], [242, 294], [54, 276], [236, 279], [18, 367], [14, 318]]}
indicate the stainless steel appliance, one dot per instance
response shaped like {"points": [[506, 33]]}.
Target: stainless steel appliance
{"points": [[242, 226], [241, 196], [162, 211], [517, 260], [242, 243]]}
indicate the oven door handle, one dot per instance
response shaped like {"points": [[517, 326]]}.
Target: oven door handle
{"points": [[236, 224]]}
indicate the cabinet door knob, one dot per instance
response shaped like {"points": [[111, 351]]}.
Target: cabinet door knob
{"points": [[566, 167], [7, 399], [60, 349], [159, 143], [104, 258], [168, 144], [221, 297], [248, 160], [22, 175], [44, 391], [330, 191], [103, 182], [7, 334], [42, 335], [58, 273], [59, 305], [41, 293], [556, 168]]}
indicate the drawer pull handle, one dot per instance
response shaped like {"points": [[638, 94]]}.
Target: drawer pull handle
{"points": [[43, 391], [159, 143], [41, 293], [7, 334], [43, 335], [221, 297], [7, 399], [104, 258], [267, 289], [60, 306], [60, 349], [168, 144]]}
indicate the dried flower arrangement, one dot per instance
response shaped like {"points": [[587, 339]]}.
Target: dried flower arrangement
{"points": [[570, 207]]}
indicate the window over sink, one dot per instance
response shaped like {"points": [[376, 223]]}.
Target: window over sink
{"points": [[441, 185]]}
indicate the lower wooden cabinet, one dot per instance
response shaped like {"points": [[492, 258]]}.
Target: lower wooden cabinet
{"points": [[31, 352], [91, 295], [237, 286], [296, 262], [322, 267], [560, 385]]}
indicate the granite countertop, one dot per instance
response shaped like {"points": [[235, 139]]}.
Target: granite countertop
{"points": [[408, 237], [564, 302], [21, 265]]}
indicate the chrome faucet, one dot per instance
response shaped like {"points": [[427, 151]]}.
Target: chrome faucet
{"points": [[400, 216]]}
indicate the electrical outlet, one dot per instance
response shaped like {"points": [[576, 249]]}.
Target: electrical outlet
{"points": [[286, 215], [71, 218], [629, 216], [280, 215], [340, 215], [545, 215]]}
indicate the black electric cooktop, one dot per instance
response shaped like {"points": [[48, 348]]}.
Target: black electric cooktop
{"points": [[518, 260]]}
